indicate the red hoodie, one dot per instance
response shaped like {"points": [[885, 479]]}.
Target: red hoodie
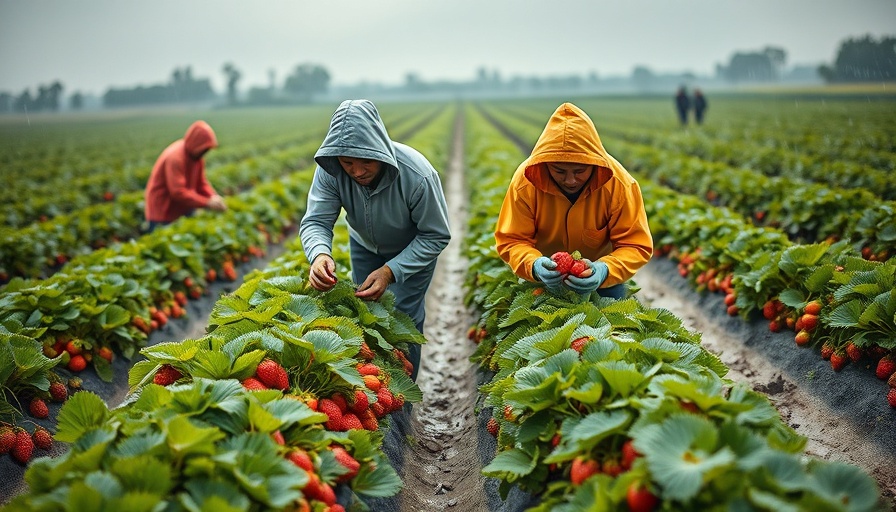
{"points": [[178, 185]]}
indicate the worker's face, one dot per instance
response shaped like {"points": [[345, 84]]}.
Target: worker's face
{"points": [[362, 170], [570, 177]]}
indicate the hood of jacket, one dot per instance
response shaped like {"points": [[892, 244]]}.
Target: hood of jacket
{"points": [[357, 131], [569, 136], [199, 138]]}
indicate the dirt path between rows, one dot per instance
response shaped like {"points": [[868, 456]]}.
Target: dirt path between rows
{"points": [[442, 468], [832, 434]]}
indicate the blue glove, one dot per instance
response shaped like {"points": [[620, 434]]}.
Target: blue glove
{"points": [[583, 285], [544, 270]]}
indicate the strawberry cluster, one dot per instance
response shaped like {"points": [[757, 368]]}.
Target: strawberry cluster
{"points": [[571, 264], [20, 444]]}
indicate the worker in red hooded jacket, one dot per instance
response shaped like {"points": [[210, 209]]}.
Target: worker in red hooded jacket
{"points": [[177, 185]]}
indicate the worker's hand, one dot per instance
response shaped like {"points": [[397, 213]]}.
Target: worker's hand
{"points": [[544, 270], [216, 203], [322, 275], [585, 285], [376, 283]]}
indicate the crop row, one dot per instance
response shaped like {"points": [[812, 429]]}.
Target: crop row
{"points": [[599, 403]]}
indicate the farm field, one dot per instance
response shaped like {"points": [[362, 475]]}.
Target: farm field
{"points": [[750, 368]]}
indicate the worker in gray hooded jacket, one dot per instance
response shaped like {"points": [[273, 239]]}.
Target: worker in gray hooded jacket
{"points": [[395, 208]]}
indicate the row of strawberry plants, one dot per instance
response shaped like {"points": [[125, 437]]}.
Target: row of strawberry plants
{"points": [[599, 403], [41, 249], [286, 398], [129, 291], [274, 321], [793, 205], [852, 300]]}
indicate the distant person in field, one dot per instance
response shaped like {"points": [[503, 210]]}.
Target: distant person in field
{"points": [[682, 105], [571, 195], [177, 185], [699, 105], [395, 207]]}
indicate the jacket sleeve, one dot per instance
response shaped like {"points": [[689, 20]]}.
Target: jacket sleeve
{"points": [[515, 231], [630, 235], [429, 212], [176, 178], [322, 210]]}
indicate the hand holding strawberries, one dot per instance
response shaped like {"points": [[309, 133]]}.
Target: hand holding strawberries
{"points": [[322, 275], [589, 279], [545, 270]]}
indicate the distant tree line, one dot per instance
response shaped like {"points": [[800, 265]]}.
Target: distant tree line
{"points": [[182, 88], [863, 60]]}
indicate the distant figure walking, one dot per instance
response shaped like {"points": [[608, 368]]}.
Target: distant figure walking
{"points": [[699, 106], [682, 104]]}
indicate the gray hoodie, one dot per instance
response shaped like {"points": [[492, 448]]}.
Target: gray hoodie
{"points": [[404, 219]]}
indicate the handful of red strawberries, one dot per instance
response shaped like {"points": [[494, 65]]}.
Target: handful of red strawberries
{"points": [[572, 264]]}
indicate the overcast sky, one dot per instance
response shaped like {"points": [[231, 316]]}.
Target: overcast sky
{"points": [[90, 45]]}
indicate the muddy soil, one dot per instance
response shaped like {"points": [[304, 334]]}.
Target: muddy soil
{"points": [[840, 422], [442, 468]]}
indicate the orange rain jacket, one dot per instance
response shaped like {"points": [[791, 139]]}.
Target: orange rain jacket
{"points": [[606, 223], [177, 184]]}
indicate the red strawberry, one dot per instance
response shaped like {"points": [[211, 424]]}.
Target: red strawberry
{"points": [[563, 260], [578, 344], [493, 427], [106, 353], [369, 369], [253, 384], [398, 400], [350, 421], [378, 410], [58, 391], [581, 469], [774, 326], [272, 374], [892, 381], [578, 268], [838, 360], [368, 420], [77, 363], [640, 499], [211, 276], [891, 397], [181, 298], [166, 375], [7, 438], [372, 383], [38, 408], [349, 462], [826, 351], [329, 408], [278, 438], [629, 454], [361, 402], [885, 367], [23, 446], [300, 458], [802, 338], [813, 308], [508, 413], [769, 310], [854, 352], [385, 398], [42, 438], [340, 402], [733, 310], [809, 322]]}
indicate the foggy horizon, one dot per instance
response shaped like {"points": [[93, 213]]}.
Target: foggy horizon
{"points": [[100, 44]]}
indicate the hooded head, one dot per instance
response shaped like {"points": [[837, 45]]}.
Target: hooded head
{"points": [[356, 131], [199, 138], [569, 137]]}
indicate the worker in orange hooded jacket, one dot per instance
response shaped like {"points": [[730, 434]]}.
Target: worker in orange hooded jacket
{"points": [[569, 195], [177, 184]]}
